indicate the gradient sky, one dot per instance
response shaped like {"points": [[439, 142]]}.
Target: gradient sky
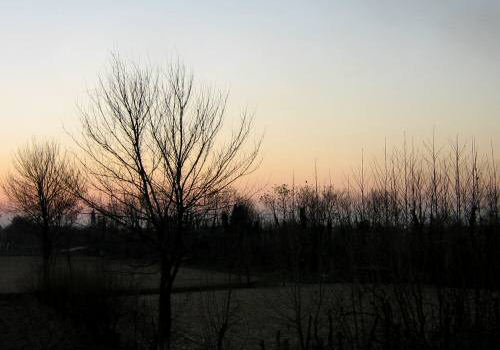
{"points": [[325, 78]]}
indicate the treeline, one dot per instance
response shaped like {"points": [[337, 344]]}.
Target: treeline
{"points": [[414, 239], [428, 214]]}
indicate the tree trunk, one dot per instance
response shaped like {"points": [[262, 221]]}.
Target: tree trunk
{"points": [[46, 253], [165, 305], [170, 262]]}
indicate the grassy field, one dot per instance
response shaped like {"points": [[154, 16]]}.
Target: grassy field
{"points": [[396, 314], [255, 314], [18, 273]]}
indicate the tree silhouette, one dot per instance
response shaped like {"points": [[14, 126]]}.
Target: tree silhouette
{"points": [[155, 153], [39, 189]]}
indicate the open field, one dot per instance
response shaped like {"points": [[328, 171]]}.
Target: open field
{"points": [[256, 313], [17, 273], [25, 323], [334, 313]]}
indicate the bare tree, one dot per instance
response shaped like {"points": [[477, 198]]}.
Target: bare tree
{"points": [[39, 189], [155, 150]]}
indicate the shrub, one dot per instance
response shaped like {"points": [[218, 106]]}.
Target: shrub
{"points": [[85, 294]]}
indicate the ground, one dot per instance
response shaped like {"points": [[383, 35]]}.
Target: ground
{"points": [[27, 324]]}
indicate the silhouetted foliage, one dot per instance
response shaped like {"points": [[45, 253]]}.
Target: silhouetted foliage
{"points": [[41, 189], [155, 157]]}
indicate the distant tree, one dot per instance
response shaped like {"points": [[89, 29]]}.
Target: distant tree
{"points": [[243, 214], [243, 217], [21, 231], [38, 189], [155, 151]]}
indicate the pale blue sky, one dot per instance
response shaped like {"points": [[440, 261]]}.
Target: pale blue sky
{"points": [[325, 78]]}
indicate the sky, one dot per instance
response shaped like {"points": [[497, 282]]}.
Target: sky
{"points": [[324, 79]]}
